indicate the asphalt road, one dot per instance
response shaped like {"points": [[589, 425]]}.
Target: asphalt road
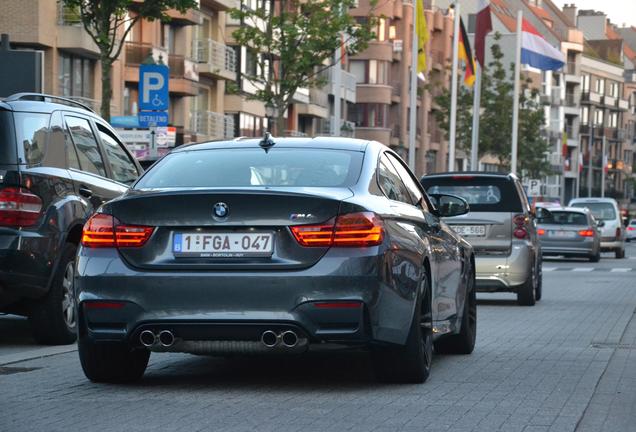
{"points": [[567, 364]]}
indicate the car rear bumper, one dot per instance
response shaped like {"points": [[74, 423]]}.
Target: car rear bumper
{"points": [[583, 247], [504, 272], [612, 245], [25, 266], [206, 301]]}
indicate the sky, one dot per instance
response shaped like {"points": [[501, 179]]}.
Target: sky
{"points": [[619, 11]]}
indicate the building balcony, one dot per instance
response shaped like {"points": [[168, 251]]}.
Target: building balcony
{"points": [[189, 17], [71, 35], [348, 84], [609, 101], [374, 93], [216, 60], [183, 76], [376, 50], [220, 5], [590, 98], [318, 105], [212, 125], [382, 135], [622, 104], [347, 128], [572, 99], [294, 133]]}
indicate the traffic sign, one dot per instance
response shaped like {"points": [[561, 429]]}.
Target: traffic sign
{"points": [[534, 187], [153, 87], [152, 118]]}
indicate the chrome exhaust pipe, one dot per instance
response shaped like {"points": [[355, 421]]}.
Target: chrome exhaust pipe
{"points": [[166, 338], [289, 338], [147, 338], [269, 339]]}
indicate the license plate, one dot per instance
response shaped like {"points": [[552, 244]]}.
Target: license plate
{"points": [[562, 234], [470, 230], [223, 245]]}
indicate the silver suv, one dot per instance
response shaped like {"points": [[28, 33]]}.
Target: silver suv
{"points": [[612, 230], [501, 228]]}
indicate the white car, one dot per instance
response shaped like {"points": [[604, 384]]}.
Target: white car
{"points": [[631, 230], [612, 232]]}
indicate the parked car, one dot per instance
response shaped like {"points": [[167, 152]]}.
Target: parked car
{"points": [[58, 163], [570, 232], [273, 246], [501, 228], [630, 231], [612, 232]]}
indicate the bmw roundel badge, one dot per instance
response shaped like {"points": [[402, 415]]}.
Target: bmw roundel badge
{"points": [[221, 210]]}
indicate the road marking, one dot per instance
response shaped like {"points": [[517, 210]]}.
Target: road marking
{"points": [[547, 269], [583, 269], [620, 269]]}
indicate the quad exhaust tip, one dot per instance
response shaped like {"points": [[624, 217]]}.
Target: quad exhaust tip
{"points": [[166, 338], [147, 338], [289, 338], [269, 339]]}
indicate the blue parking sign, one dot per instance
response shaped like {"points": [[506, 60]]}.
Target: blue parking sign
{"points": [[153, 87]]}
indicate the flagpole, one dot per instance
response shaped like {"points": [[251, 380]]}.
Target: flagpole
{"points": [[604, 162], [474, 147], [413, 93], [453, 112], [337, 104], [515, 103]]}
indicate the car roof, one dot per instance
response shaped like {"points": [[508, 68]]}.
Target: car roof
{"points": [[584, 210], [329, 143], [593, 200], [480, 174], [44, 103]]}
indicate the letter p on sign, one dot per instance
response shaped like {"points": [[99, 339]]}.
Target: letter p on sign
{"points": [[153, 87]]}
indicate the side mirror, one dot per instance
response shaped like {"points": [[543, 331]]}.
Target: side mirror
{"points": [[600, 223], [449, 205]]}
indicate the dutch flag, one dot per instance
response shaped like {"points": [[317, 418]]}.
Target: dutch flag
{"points": [[537, 52]]}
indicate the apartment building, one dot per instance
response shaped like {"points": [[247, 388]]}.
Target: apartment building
{"points": [[70, 56], [604, 143]]}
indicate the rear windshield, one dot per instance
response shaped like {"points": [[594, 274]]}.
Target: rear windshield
{"points": [[8, 149], [566, 218], [244, 167], [482, 194], [602, 211]]}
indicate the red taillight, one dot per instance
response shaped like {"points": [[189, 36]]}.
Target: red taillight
{"points": [[105, 231], [463, 177], [520, 233], [96, 304], [348, 230], [541, 231], [19, 207], [519, 220], [586, 233], [519, 230], [631, 228]]}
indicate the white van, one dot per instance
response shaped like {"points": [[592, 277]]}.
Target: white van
{"points": [[612, 231]]}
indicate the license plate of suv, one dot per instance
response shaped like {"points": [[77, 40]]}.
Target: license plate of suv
{"points": [[470, 230], [223, 245]]}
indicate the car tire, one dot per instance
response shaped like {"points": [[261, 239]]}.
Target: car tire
{"points": [[464, 341], [620, 253], [539, 290], [54, 317], [409, 363], [596, 257], [112, 362], [526, 293]]}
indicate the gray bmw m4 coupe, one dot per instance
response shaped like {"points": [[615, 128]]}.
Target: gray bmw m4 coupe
{"points": [[275, 246]]}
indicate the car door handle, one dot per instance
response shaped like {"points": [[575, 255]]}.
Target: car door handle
{"points": [[85, 192]]}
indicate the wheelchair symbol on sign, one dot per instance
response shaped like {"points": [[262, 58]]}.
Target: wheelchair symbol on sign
{"points": [[156, 101]]}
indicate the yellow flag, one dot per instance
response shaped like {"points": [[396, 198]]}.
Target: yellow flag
{"points": [[422, 37]]}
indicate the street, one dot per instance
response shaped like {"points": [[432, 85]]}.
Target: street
{"points": [[567, 364]]}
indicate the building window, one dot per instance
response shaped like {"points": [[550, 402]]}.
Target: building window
{"points": [[614, 90], [585, 115], [370, 71], [585, 83], [381, 30], [613, 120], [369, 115], [598, 117], [76, 76], [600, 86], [250, 125]]}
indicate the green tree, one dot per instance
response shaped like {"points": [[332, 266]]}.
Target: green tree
{"points": [[495, 125], [291, 40], [108, 22]]}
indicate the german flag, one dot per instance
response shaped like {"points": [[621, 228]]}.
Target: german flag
{"points": [[466, 54]]}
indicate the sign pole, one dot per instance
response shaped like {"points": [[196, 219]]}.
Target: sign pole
{"points": [[453, 112], [153, 141], [515, 103], [413, 92]]}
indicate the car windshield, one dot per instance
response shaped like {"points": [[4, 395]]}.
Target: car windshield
{"points": [[600, 210], [245, 167], [566, 218]]}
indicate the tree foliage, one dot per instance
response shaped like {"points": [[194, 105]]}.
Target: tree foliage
{"points": [[108, 22], [291, 40], [495, 125]]}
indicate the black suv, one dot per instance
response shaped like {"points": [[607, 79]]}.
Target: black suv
{"points": [[59, 162]]}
